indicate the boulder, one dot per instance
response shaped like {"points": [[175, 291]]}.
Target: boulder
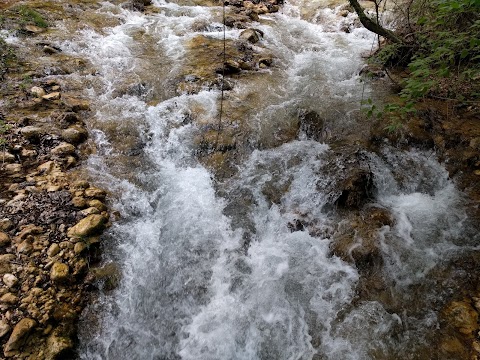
{"points": [[462, 316], [57, 347], [75, 104], [4, 239], [346, 178], [97, 204], [19, 335], [59, 272], [51, 96], [32, 29], [79, 247], [75, 135], [37, 91], [312, 125], [79, 202], [250, 35], [63, 149], [31, 132], [96, 193], [90, 225]]}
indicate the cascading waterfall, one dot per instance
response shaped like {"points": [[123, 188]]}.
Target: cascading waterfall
{"points": [[213, 270]]}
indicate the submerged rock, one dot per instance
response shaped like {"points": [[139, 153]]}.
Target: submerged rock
{"points": [[250, 35], [347, 179], [462, 316]]}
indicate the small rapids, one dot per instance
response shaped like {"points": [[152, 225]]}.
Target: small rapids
{"points": [[242, 267]]}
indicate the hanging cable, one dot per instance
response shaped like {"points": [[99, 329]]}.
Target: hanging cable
{"points": [[222, 84]]}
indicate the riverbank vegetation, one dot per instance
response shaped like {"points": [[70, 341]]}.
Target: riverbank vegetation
{"points": [[436, 46]]}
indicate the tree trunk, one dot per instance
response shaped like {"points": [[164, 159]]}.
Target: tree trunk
{"points": [[372, 25]]}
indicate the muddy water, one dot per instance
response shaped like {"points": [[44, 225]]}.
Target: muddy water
{"points": [[241, 266]]}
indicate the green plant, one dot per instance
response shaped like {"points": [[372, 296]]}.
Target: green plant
{"points": [[28, 15], [26, 82], [440, 48], [3, 129]]}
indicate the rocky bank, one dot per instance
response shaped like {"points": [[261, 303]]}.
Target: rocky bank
{"points": [[52, 217]]}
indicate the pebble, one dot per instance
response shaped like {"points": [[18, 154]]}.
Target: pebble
{"points": [[51, 96], [38, 91], [10, 280]]}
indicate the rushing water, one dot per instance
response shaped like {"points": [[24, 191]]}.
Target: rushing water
{"points": [[212, 270]]}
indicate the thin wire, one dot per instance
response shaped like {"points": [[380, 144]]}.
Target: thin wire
{"points": [[223, 77]]}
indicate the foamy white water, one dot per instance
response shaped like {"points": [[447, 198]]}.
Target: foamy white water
{"points": [[214, 270]]}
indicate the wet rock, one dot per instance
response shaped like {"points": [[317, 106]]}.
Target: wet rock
{"points": [[58, 347], [75, 135], [372, 71], [250, 35], [75, 104], [32, 29], [79, 202], [265, 61], [231, 67], [356, 188], [139, 5], [462, 316], [97, 204], [90, 211], [19, 336], [4, 328], [108, 275], [30, 229], [31, 132], [4, 239], [59, 272], [96, 193], [37, 91], [81, 184], [347, 178], [79, 247], [91, 225], [312, 125], [63, 149], [10, 280], [51, 96], [50, 51]]}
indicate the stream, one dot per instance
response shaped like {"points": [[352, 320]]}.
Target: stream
{"points": [[239, 264]]}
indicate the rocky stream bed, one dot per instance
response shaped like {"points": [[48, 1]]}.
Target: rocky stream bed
{"points": [[52, 213]]}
